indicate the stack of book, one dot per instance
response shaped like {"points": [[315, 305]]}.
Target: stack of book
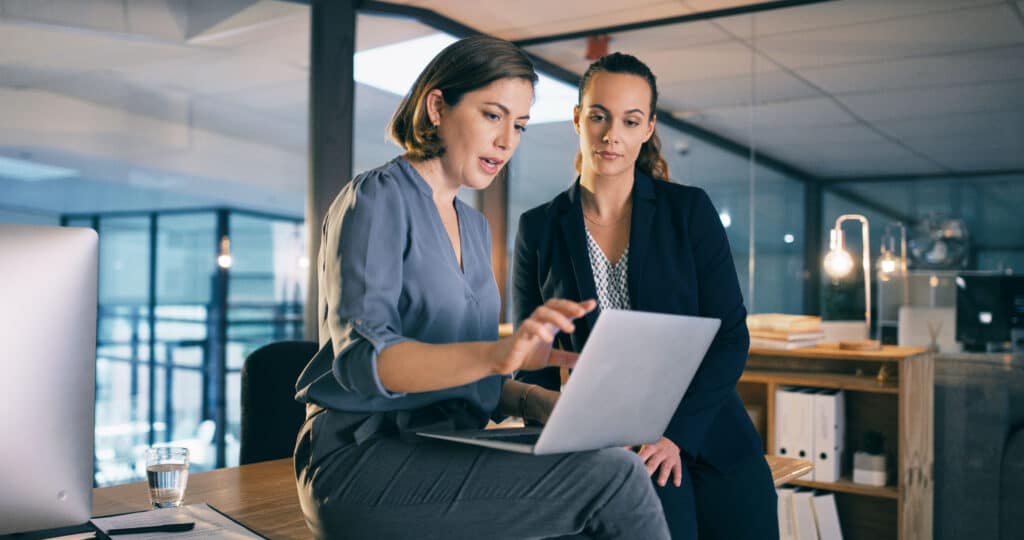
{"points": [[781, 331]]}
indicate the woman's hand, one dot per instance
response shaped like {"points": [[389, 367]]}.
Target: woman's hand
{"points": [[663, 455], [529, 348]]}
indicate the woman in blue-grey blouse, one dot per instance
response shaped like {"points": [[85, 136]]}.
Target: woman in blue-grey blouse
{"points": [[408, 313], [624, 234]]}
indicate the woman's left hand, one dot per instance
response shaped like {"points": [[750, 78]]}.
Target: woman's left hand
{"points": [[663, 455]]}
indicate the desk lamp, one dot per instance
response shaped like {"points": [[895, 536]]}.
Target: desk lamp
{"points": [[838, 264]]}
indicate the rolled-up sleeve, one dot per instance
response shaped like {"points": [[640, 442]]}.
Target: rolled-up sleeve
{"points": [[364, 240]]}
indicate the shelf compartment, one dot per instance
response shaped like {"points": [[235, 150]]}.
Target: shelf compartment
{"points": [[845, 485], [856, 383]]}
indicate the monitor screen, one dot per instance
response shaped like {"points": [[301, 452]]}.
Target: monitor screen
{"points": [[48, 281], [987, 307]]}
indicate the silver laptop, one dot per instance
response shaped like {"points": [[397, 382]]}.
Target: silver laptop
{"points": [[48, 364], [627, 383]]}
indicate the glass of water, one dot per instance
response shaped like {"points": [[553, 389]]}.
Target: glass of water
{"points": [[167, 474]]}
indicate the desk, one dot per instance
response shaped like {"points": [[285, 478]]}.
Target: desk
{"points": [[261, 495]]}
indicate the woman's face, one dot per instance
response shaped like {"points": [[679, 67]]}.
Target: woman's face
{"points": [[481, 132], [613, 121]]}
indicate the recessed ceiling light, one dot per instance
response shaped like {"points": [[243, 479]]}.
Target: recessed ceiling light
{"points": [[31, 171], [394, 68]]}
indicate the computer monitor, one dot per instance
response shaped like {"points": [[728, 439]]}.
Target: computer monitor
{"points": [[48, 282], [987, 309]]}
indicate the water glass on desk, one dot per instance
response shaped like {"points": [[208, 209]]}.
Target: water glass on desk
{"points": [[167, 475]]}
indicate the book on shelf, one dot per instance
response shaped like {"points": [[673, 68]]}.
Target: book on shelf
{"points": [[781, 344], [787, 336], [781, 322]]}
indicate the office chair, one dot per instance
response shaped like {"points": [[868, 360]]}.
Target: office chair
{"points": [[271, 417]]}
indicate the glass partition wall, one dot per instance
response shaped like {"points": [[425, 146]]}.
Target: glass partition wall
{"points": [[179, 310]]}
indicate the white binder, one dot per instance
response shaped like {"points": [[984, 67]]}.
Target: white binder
{"points": [[787, 520], [794, 433], [803, 510], [829, 434], [826, 515]]}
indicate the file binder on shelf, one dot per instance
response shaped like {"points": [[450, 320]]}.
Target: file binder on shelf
{"points": [[794, 430], [787, 520], [803, 510], [829, 434], [826, 515]]}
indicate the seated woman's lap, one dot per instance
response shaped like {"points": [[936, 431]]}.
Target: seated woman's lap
{"points": [[390, 487]]}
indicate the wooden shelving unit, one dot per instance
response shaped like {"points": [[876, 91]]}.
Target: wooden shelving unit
{"points": [[890, 391]]}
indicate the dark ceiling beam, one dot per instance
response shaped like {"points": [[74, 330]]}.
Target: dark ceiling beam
{"points": [[677, 19], [919, 177]]}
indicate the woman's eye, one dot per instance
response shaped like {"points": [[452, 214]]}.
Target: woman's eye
{"points": [[632, 123], [491, 116], [596, 118], [520, 128]]}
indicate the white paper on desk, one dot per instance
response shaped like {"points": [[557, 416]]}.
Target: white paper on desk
{"points": [[209, 523]]}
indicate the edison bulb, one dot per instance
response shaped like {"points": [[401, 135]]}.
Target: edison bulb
{"points": [[838, 263]]}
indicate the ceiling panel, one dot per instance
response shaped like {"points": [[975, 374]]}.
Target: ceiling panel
{"points": [[75, 51], [214, 73], [932, 34], [542, 17], [690, 96], [571, 53], [839, 13], [921, 102], [999, 64], [801, 113]]}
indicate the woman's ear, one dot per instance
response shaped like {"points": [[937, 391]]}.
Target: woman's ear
{"points": [[650, 127], [576, 118], [435, 106]]}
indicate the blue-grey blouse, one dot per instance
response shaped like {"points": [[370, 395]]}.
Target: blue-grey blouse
{"points": [[387, 274]]}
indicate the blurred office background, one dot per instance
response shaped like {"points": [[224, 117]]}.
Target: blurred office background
{"points": [[180, 131]]}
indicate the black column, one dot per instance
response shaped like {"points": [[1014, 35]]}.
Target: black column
{"points": [[813, 235], [215, 365], [331, 97]]}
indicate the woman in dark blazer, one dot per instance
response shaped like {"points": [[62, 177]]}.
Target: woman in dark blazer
{"points": [[624, 234]]}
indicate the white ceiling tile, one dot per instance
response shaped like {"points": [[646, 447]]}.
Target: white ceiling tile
{"points": [[923, 102], [733, 91], [836, 14], [945, 70], [374, 31], [801, 113], [571, 54], [205, 73], [96, 14], [73, 51], [542, 17], [932, 34]]}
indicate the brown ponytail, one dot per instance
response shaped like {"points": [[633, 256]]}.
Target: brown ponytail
{"points": [[650, 160]]}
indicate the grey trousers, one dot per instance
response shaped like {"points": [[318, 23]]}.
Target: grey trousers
{"points": [[390, 487]]}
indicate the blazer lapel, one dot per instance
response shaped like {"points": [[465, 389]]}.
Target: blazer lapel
{"points": [[571, 222], [640, 235]]}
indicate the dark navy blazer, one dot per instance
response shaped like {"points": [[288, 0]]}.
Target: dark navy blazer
{"points": [[679, 262]]}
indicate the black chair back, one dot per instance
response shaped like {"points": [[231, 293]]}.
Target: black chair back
{"points": [[271, 417]]}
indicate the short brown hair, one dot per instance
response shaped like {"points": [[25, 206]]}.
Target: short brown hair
{"points": [[462, 67]]}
